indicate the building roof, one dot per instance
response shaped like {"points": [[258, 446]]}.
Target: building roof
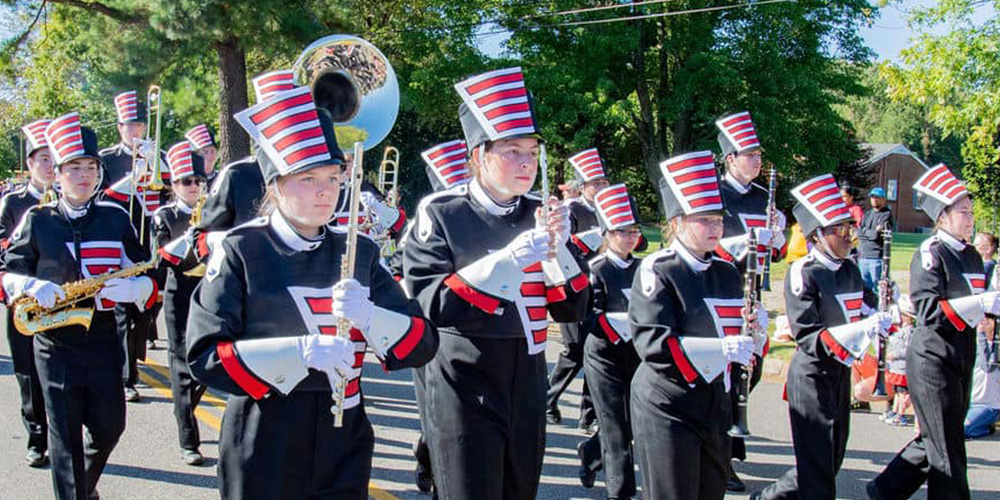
{"points": [[882, 150]]}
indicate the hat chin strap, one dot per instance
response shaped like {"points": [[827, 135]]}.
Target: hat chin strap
{"points": [[825, 247]]}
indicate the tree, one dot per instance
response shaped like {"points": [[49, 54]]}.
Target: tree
{"points": [[956, 77]]}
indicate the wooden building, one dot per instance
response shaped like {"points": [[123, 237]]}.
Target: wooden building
{"points": [[896, 169]]}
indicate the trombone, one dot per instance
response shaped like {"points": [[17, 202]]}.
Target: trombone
{"points": [[138, 177]]}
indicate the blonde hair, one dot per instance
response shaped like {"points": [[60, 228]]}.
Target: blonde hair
{"points": [[269, 203]]}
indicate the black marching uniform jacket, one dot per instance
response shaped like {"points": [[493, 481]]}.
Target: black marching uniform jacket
{"points": [[486, 387], [117, 164], [264, 281], [820, 294], [13, 207], [680, 407], [609, 363], [79, 368], [945, 274], [234, 198]]}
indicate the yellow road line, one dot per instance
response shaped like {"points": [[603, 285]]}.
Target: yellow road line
{"points": [[215, 422]]}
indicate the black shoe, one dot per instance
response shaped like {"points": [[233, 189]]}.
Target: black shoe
{"points": [[733, 482], [587, 476], [192, 457], [132, 395], [36, 459], [873, 492], [94, 495], [757, 495], [588, 426], [423, 478], [553, 415], [151, 345], [858, 405]]}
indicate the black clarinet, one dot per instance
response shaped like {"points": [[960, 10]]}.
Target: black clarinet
{"points": [[766, 278], [740, 427], [884, 300]]}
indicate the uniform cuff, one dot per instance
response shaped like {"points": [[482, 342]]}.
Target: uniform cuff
{"points": [[393, 333], [276, 361], [963, 312], [852, 338], [487, 281], [703, 356]]}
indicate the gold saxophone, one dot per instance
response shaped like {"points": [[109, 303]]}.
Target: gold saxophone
{"points": [[197, 271], [31, 318]]}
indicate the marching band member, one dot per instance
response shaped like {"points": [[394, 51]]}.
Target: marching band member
{"points": [[237, 191], [746, 204], [79, 368], [610, 359], [203, 143], [262, 323], [171, 222], [947, 290], [586, 234], [117, 160], [685, 316], [474, 262], [825, 299], [13, 207]]}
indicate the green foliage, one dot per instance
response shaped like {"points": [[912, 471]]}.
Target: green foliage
{"points": [[956, 77]]}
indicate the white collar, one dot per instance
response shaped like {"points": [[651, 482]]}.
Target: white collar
{"points": [[617, 261], [479, 194], [689, 258], [183, 207], [953, 242], [825, 260], [737, 185], [583, 201], [290, 237], [34, 192], [125, 149], [73, 213]]}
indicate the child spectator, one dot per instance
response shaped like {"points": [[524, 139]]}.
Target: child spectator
{"points": [[896, 358]]}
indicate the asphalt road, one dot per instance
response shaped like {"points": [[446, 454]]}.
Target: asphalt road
{"points": [[146, 464]]}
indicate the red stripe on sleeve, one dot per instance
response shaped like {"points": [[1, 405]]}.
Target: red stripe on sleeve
{"points": [[471, 295], [416, 332], [579, 283], [555, 294], [400, 222], [169, 257], [681, 360], [3, 291], [243, 378], [610, 332], [202, 245], [581, 245], [949, 312], [722, 253], [151, 301], [833, 346]]}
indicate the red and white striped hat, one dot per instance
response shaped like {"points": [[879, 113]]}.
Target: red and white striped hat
{"points": [[588, 165], [615, 208], [738, 134], [448, 164], [938, 188], [268, 84], [690, 184], [35, 134], [200, 136], [128, 107], [824, 207], [65, 138], [287, 128], [180, 160], [500, 104]]}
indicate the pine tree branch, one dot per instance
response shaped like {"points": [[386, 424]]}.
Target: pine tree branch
{"points": [[106, 10]]}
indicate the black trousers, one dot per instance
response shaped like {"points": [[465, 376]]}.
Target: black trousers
{"points": [[421, 450], [939, 373], [286, 447], [86, 409], [22, 353], [819, 407], [610, 368], [679, 458], [187, 392], [568, 365], [486, 402], [739, 446], [135, 328]]}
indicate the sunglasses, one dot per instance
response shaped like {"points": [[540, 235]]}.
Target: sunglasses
{"points": [[188, 181]]}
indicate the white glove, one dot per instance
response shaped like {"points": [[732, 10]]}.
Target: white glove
{"points": [[737, 349], [877, 324], [762, 319], [385, 215], [778, 240], [125, 290], [780, 221], [44, 292], [763, 235], [529, 247], [558, 220], [330, 354], [350, 302], [990, 301]]}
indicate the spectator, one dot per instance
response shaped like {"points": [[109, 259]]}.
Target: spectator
{"points": [[985, 402], [896, 369], [986, 245], [870, 235], [847, 193]]}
